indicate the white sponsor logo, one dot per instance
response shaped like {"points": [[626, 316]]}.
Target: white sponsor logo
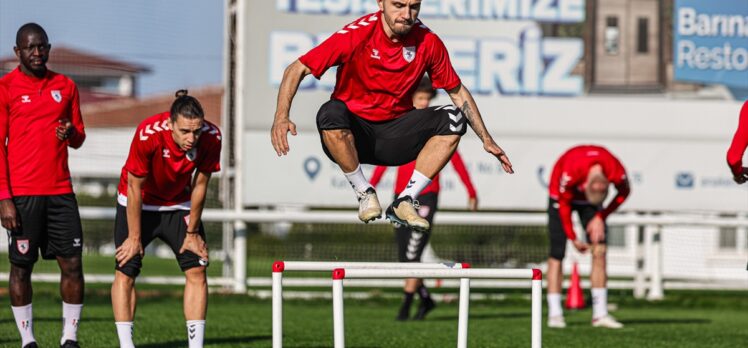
{"points": [[409, 53], [56, 95], [25, 99], [166, 153], [23, 246], [76, 242], [375, 53]]}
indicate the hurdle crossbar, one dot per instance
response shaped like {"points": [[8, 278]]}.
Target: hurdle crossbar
{"points": [[327, 266], [464, 274]]}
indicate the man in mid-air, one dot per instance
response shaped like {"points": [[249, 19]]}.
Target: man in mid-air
{"points": [[370, 118]]}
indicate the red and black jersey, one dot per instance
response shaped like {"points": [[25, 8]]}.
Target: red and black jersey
{"points": [[377, 77], [570, 173], [405, 172], [739, 143], [35, 162], [168, 169]]}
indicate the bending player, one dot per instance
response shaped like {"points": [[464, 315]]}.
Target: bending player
{"points": [[411, 243], [161, 194], [370, 118], [579, 182]]}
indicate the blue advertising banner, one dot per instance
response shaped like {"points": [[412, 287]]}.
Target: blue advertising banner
{"points": [[710, 42]]}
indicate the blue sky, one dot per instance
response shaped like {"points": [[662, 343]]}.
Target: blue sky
{"points": [[180, 40]]}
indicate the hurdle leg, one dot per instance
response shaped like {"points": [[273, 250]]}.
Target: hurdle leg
{"points": [[462, 323], [337, 309], [537, 308], [277, 309]]}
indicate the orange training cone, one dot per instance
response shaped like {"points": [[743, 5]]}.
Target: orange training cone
{"points": [[574, 296]]}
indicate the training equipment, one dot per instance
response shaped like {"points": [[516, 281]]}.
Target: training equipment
{"points": [[574, 296], [281, 266], [463, 274]]}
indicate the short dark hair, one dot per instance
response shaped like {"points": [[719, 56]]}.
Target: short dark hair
{"points": [[186, 105], [425, 87], [29, 27]]}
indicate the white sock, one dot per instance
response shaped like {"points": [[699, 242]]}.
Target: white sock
{"points": [[195, 333], [417, 183], [71, 315], [124, 331], [554, 305], [599, 302], [357, 180], [25, 323]]}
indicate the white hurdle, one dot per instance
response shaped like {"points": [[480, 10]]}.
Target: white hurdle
{"points": [[280, 266], [464, 274]]}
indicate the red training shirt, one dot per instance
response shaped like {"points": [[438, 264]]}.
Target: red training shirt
{"points": [[35, 162], [168, 170], [405, 171], [739, 143], [570, 173], [377, 77]]}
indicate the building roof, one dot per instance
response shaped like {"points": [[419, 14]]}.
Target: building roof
{"points": [[129, 112], [68, 60]]}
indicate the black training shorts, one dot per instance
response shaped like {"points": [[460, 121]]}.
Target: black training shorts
{"points": [[169, 226], [556, 233], [51, 224], [410, 243], [394, 142]]}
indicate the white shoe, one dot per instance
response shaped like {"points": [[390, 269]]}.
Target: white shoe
{"points": [[607, 321], [403, 212], [368, 206], [556, 322]]}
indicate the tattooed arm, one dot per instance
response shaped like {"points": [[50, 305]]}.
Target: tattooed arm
{"points": [[462, 98]]}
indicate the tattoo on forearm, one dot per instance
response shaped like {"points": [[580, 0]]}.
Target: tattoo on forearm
{"points": [[475, 123]]}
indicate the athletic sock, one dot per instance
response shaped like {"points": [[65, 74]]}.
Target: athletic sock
{"points": [[71, 315], [599, 302], [195, 333], [25, 323], [405, 307], [554, 305], [423, 291], [124, 332], [357, 180], [416, 184]]}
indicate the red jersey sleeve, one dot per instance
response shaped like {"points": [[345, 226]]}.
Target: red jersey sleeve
{"points": [[212, 161], [621, 183], [376, 177], [4, 119], [141, 151], [739, 143], [76, 139], [440, 68], [337, 48], [461, 170]]}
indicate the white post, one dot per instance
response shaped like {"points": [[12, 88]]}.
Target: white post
{"points": [[240, 257], [655, 287], [464, 311], [240, 232], [337, 308], [277, 305], [537, 308], [636, 236]]}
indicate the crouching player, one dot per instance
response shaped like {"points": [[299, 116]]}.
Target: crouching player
{"points": [[161, 195]]}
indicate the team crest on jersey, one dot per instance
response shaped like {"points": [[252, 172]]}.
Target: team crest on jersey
{"points": [[23, 246], [409, 53], [56, 95]]}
